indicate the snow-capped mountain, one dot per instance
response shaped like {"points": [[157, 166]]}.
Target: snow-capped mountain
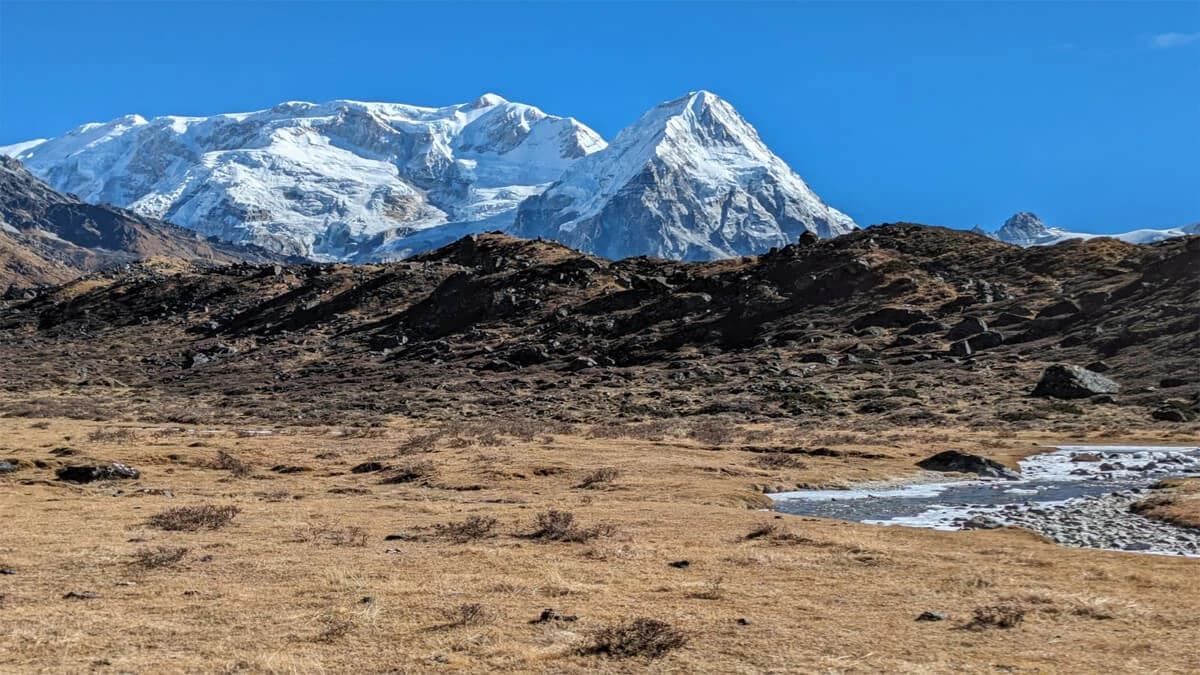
{"points": [[1026, 229], [690, 180], [319, 180]]}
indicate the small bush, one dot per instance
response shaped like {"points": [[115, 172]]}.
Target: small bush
{"points": [[194, 518], [554, 525], [468, 614], [764, 531], [475, 527], [334, 535], [649, 638], [778, 460], [112, 436], [712, 589], [155, 558], [599, 478], [997, 616], [227, 462], [420, 443], [409, 473], [712, 432]]}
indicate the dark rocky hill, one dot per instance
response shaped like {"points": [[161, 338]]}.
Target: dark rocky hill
{"points": [[897, 325], [47, 237]]}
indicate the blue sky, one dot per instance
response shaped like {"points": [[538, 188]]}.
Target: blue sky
{"points": [[954, 114]]}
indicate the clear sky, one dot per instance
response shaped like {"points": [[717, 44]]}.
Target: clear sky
{"points": [[954, 114]]}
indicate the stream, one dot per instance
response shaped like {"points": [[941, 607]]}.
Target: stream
{"points": [[1077, 495]]}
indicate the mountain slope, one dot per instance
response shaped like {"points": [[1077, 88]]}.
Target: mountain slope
{"points": [[48, 237], [318, 180], [897, 325], [1026, 229], [689, 180]]}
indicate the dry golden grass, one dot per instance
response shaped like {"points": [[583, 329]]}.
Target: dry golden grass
{"points": [[1179, 504], [331, 571]]}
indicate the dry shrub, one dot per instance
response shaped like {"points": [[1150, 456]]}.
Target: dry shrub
{"points": [[194, 518], [475, 527], [599, 478], [655, 430], [409, 473], [712, 589], [468, 614], [162, 556], [712, 432], [997, 616], [227, 462], [112, 436], [641, 637], [334, 535], [555, 525], [420, 443], [774, 532], [778, 460]]}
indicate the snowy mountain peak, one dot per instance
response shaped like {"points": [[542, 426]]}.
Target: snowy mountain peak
{"points": [[322, 180], [488, 100], [1023, 229], [689, 179]]}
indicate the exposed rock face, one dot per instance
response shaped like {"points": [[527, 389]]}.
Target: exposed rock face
{"points": [[88, 474], [690, 180], [50, 237], [955, 461], [1067, 381]]}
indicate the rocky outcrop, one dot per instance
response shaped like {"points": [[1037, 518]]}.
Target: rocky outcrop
{"points": [[1069, 382], [955, 461]]}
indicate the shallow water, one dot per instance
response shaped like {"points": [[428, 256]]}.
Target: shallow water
{"points": [[1054, 480]]}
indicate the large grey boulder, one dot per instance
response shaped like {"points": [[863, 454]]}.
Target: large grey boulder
{"points": [[955, 461], [1066, 381]]}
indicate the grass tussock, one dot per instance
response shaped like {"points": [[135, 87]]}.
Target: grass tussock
{"points": [[996, 616], [468, 614], [599, 479], [411, 473], [159, 557], [778, 460], [194, 518], [637, 638], [227, 462]]}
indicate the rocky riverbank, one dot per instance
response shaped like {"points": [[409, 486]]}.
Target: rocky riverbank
{"points": [[1091, 522]]}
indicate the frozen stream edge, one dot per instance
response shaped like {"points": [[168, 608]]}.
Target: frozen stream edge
{"points": [[1098, 518]]}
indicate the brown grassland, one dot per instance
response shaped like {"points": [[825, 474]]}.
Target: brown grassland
{"points": [[244, 552]]}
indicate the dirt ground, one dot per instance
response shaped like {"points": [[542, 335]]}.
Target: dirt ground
{"points": [[325, 570]]}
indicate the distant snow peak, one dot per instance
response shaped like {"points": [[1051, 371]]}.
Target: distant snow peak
{"points": [[1026, 229], [690, 179]]}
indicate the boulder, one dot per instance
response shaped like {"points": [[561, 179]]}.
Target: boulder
{"points": [[1060, 308], [7, 467], [891, 317], [955, 461], [1098, 367], [986, 340], [971, 325], [961, 348], [87, 474], [1169, 414], [818, 357], [1067, 381], [925, 328]]}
